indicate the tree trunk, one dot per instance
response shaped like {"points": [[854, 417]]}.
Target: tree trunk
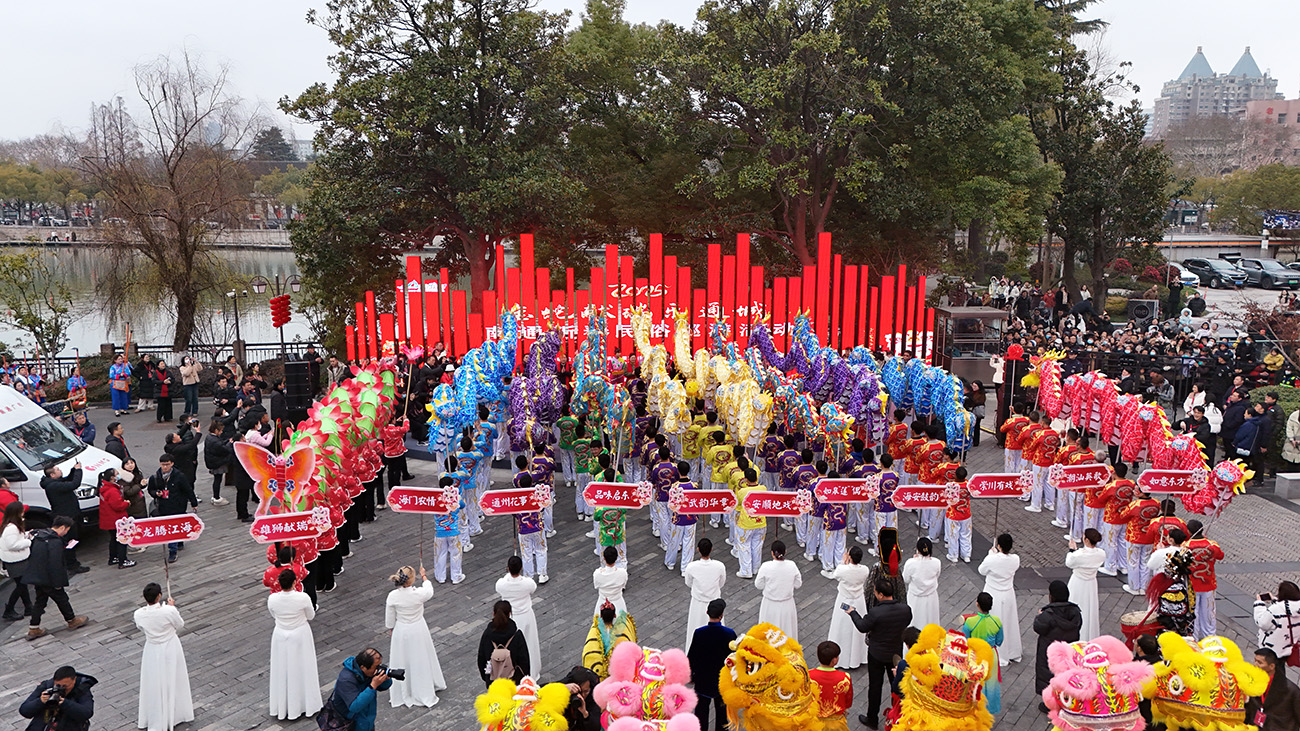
{"points": [[1069, 250], [1098, 264], [975, 246], [480, 256], [186, 306]]}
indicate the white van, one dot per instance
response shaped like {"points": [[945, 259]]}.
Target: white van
{"points": [[31, 440]]}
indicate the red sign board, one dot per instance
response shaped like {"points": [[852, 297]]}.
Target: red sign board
{"points": [[509, 501], [1083, 476], [616, 495], [847, 490], [430, 500], [289, 526], [1169, 481], [1002, 484], [920, 496], [703, 502], [152, 531], [763, 503]]}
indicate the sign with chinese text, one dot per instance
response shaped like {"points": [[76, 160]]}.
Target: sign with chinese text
{"points": [[764, 504], [510, 501], [165, 529], [290, 526], [430, 500], [920, 496], [1002, 484], [703, 502], [1170, 481], [1083, 476], [847, 490], [617, 494]]}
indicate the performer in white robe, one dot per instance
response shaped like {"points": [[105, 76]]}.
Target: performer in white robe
{"points": [[518, 589], [778, 579], [164, 680], [610, 580], [1084, 562], [295, 684], [412, 646], [999, 572], [852, 577], [921, 574], [705, 578]]}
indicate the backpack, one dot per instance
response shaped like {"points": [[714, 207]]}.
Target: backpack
{"points": [[500, 664]]}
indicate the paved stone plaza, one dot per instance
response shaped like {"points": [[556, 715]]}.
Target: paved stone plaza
{"points": [[217, 587]]}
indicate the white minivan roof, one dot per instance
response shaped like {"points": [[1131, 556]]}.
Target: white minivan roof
{"points": [[16, 408]]}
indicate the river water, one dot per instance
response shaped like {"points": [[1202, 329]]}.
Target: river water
{"points": [[80, 269]]}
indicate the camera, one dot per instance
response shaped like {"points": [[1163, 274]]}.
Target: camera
{"points": [[394, 673], [56, 694]]}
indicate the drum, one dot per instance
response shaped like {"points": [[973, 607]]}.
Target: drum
{"points": [[1137, 623]]}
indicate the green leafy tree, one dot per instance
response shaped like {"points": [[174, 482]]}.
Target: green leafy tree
{"points": [[445, 129], [1241, 198], [269, 144], [36, 300]]}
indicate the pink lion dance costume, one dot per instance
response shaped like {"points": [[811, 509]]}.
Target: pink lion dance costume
{"points": [[646, 691], [1096, 686]]}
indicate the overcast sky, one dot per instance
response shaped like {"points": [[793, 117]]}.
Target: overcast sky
{"points": [[84, 53]]}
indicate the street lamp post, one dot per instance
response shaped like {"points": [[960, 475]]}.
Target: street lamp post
{"points": [[234, 299], [260, 285]]}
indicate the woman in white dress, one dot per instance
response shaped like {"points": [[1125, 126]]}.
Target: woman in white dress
{"points": [[921, 574], [412, 646], [518, 589], [778, 579], [610, 580], [705, 578], [1084, 562], [852, 578], [999, 572], [164, 680], [295, 684]]}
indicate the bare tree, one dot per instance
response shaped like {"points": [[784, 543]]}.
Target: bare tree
{"points": [[1207, 146], [175, 178]]}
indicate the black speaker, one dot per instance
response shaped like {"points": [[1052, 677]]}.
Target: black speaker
{"points": [[297, 389], [1143, 312]]}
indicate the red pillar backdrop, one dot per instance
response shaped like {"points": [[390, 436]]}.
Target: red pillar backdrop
{"points": [[846, 308]]}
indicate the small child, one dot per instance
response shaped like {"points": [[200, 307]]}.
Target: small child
{"points": [[532, 542], [446, 540], [958, 523], [612, 524], [834, 687]]}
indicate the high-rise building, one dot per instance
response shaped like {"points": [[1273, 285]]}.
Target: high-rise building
{"points": [[1199, 92]]}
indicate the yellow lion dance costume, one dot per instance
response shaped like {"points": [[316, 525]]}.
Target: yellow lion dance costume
{"points": [[1203, 686], [524, 707], [765, 683], [944, 686]]}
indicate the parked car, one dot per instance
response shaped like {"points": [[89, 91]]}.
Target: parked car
{"points": [[1215, 273], [1187, 278], [1269, 273]]}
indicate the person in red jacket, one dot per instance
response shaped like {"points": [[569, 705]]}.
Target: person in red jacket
{"points": [[1205, 553], [912, 453], [958, 520], [393, 443], [113, 507], [1012, 458], [1159, 527], [929, 455], [1137, 516], [897, 435], [1115, 497], [1040, 449], [834, 687]]}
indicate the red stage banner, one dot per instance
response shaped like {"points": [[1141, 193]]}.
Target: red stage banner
{"points": [[510, 501], [1171, 481], [431, 500], [847, 490], [701, 502], [1078, 476], [1002, 484], [152, 531], [290, 526], [764, 504], [618, 494], [920, 496]]}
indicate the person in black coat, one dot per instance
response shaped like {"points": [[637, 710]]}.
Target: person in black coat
{"points": [[114, 444], [183, 446], [1199, 426], [47, 575], [583, 714], [73, 708], [279, 404], [1059, 621], [223, 395], [173, 493], [1234, 415], [1279, 707], [61, 491], [502, 632], [314, 365], [710, 646], [217, 455], [883, 625]]}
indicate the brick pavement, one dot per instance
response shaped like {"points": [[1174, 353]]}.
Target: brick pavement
{"points": [[217, 585]]}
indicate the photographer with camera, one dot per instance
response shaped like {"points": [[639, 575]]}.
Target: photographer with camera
{"points": [[356, 693], [63, 702]]}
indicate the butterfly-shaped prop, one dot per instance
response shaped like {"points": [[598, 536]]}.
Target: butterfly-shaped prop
{"points": [[279, 480]]}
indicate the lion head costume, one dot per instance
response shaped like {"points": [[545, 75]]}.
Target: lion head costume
{"points": [[944, 686], [1203, 686], [1096, 686], [765, 683], [524, 707]]}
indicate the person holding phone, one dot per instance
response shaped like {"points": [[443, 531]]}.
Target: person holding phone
{"points": [[852, 577], [883, 627]]}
